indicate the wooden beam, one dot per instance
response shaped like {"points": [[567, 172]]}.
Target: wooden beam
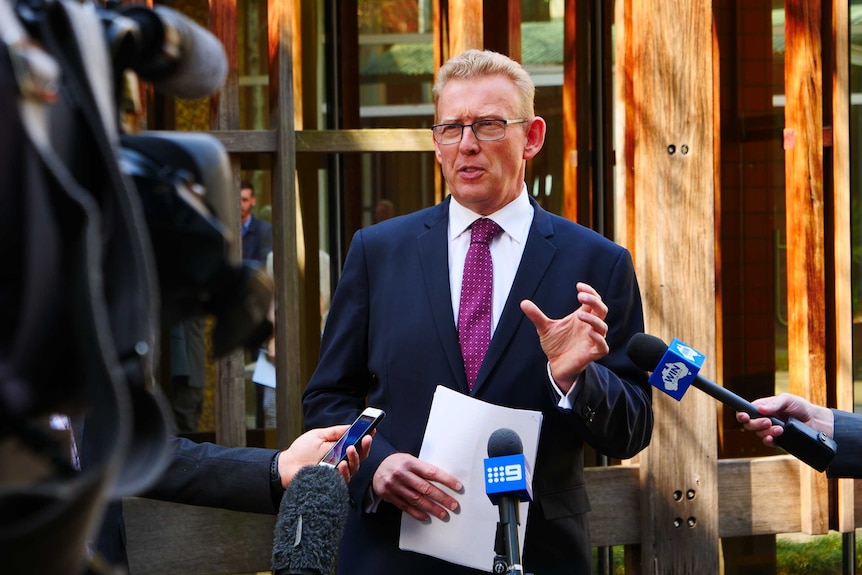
{"points": [[464, 27], [841, 239], [672, 131], [614, 494], [224, 115], [576, 110], [377, 140], [172, 539], [287, 265], [624, 201], [806, 280], [331, 141], [750, 502], [502, 27]]}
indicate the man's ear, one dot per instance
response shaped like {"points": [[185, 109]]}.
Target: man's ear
{"points": [[535, 137]]}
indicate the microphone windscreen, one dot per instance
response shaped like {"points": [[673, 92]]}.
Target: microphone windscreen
{"points": [[310, 522], [504, 442], [646, 351], [202, 66]]}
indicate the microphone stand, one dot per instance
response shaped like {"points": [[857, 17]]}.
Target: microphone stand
{"points": [[508, 557]]}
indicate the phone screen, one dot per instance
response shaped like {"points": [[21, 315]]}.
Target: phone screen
{"points": [[354, 434]]}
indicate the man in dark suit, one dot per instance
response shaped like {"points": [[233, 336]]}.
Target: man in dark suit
{"points": [[844, 427], [392, 335], [256, 233]]}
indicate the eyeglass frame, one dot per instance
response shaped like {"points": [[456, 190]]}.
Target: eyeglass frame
{"points": [[473, 129]]}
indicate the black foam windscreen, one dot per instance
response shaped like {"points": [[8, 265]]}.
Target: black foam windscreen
{"points": [[646, 351], [310, 522], [504, 442]]}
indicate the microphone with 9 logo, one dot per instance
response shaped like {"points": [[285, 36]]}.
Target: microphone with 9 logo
{"points": [[508, 481]]}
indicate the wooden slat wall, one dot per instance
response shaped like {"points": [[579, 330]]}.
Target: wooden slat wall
{"points": [[232, 542], [671, 113], [806, 287]]}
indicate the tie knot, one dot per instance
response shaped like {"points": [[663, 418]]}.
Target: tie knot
{"points": [[483, 231]]}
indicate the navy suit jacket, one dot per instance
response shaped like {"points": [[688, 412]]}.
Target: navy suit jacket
{"points": [[257, 241], [391, 336], [213, 475], [848, 436]]}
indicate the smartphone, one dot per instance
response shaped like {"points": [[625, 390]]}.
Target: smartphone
{"points": [[363, 425]]}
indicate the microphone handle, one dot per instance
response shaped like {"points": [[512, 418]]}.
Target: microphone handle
{"points": [[809, 446], [727, 397], [509, 519]]}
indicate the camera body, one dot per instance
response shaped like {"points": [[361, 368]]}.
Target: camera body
{"points": [[106, 239], [183, 180]]}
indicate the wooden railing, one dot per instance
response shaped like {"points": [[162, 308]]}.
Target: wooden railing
{"points": [[756, 497]]}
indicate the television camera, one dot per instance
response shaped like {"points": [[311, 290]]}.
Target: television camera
{"points": [[105, 238]]}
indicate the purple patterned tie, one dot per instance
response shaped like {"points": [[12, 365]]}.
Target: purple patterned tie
{"points": [[474, 313]]}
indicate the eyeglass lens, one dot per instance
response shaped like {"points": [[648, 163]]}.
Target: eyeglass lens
{"points": [[487, 130]]}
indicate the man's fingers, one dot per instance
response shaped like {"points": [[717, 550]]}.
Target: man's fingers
{"points": [[412, 486], [533, 312]]}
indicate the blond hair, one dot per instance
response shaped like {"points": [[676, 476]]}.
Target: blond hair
{"points": [[479, 63]]}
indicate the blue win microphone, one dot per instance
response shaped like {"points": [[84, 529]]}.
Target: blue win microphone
{"points": [[675, 368], [679, 365], [508, 481]]}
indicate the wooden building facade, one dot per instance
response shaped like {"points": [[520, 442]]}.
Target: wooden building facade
{"points": [[715, 139]]}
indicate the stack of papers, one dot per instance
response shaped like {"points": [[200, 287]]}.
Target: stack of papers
{"points": [[456, 439]]}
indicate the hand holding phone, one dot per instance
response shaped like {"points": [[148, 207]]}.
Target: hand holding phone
{"points": [[363, 425]]}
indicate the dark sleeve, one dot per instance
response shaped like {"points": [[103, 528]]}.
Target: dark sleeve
{"points": [[212, 475], [848, 436], [612, 408]]}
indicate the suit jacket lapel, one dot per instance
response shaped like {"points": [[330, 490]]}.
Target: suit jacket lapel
{"points": [[433, 247], [538, 253]]}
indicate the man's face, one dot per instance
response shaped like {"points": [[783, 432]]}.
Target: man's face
{"points": [[246, 203], [485, 176]]}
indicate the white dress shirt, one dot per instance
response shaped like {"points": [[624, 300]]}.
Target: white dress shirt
{"points": [[506, 248]]}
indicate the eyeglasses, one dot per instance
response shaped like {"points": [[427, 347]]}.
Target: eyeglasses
{"points": [[484, 130]]}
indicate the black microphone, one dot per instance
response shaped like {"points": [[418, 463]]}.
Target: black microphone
{"points": [[651, 354], [310, 522], [507, 483], [647, 352], [172, 52]]}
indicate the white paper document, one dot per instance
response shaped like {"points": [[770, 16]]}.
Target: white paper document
{"points": [[456, 439], [264, 371]]}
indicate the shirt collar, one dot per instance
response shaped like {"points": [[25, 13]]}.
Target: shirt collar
{"points": [[514, 218]]}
